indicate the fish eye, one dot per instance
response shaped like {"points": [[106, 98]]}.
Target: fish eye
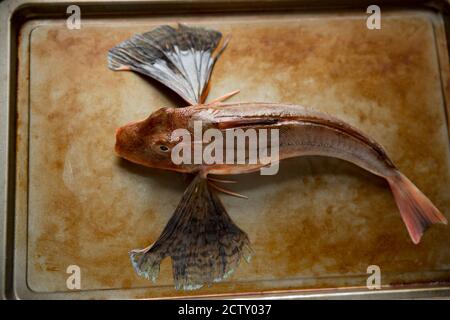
{"points": [[163, 148]]}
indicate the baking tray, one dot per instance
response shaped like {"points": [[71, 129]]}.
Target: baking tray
{"points": [[315, 227]]}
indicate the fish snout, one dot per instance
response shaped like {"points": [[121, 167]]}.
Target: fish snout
{"points": [[120, 140], [127, 140]]}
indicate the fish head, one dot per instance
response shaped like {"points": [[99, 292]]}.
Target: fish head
{"points": [[148, 142]]}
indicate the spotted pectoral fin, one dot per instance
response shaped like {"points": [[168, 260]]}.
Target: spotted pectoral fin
{"points": [[204, 243], [181, 58]]}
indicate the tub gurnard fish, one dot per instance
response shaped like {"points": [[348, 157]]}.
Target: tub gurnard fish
{"points": [[204, 243]]}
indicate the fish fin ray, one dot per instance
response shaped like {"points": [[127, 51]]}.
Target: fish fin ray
{"points": [[226, 191], [224, 97], [221, 180]]}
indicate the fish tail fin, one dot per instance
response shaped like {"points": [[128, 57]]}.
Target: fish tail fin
{"points": [[202, 240], [417, 211]]}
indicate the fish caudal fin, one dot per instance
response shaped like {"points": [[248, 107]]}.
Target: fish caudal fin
{"points": [[202, 240], [417, 211]]}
